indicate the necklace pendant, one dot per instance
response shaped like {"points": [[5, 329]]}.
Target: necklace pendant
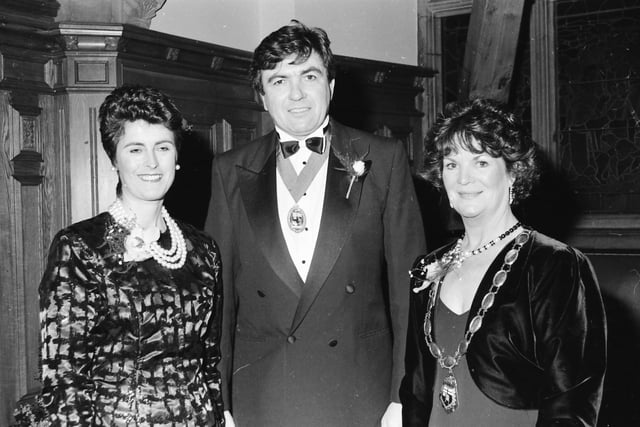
{"points": [[449, 393], [297, 219]]}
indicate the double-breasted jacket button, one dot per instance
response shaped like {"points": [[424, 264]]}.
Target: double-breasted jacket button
{"points": [[291, 339], [333, 343], [350, 288]]}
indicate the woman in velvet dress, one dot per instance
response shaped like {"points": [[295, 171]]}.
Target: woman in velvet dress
{"points": [[131, 299], [507, 325]]}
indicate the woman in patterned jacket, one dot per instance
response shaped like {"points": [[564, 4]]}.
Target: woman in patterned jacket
{"points": [[131, 299]]}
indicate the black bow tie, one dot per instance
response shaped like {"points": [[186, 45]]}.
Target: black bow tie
{"points": [[315, 144]]}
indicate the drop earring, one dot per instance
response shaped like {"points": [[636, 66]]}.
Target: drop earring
{"points": [[510, 195], [177, 167]]}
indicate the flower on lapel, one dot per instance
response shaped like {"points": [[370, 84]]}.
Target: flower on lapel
{"points": [[134, 246], [426, 273], [356, 166], [124, 243], [359, 168]]}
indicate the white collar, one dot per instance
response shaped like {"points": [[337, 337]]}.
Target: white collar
{"points": [[284, 136]]}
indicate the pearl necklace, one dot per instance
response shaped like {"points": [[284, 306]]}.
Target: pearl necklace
{"points": [[449, 390], [172, 258]]}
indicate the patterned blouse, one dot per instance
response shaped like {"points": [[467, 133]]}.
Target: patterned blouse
{"points": [[129, 343]]}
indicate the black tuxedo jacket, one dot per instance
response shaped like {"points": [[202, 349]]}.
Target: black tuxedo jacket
{"points": [[328, 351]]}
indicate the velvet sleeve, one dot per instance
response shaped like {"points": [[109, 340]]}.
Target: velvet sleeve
{"points": [[415, 391], [571, 331], [70, 304], [404, 241]]}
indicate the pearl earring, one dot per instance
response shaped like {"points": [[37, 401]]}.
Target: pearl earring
{"points": [[177, 167], [113, 168]]}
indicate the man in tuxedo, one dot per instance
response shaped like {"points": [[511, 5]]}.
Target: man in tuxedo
{"points": [[317, 225]]}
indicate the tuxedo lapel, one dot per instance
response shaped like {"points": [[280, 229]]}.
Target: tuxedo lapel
{"points": [[257, 182], [338, 214]]}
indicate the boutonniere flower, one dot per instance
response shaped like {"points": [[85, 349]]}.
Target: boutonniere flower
{"points": [[429, 273], [356, 166], [359, 168], [126, 243], [426, 273], [135, 248]]}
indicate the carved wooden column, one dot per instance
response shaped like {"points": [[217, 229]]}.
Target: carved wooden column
{"points": [[28, 153], [28, 171], [134, 12], [87, 71]]}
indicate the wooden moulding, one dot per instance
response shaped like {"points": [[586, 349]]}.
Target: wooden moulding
{"points": [[28, 167]]}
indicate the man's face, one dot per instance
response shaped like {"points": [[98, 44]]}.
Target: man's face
{"points": [[297, 96]]}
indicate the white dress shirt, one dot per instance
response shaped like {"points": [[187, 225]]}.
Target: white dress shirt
{"points": [[302, 245]]}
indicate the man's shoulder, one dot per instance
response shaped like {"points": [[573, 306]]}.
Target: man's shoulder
{"points": [[376, 146], [245, 151], [375, 143], [354, 133]]}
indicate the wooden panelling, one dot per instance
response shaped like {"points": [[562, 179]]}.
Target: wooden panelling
{"points": [[13, 357], [490, 50], [27, 167], [91, 72]]}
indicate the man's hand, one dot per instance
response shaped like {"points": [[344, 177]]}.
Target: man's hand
{"points": [[228, 419], [392, 416]]}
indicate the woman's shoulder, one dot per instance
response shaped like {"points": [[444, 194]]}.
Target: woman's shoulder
{"points": [[552, 261], [544, 246], [432, 256], [429, 268], [197, 237], [77, 247], [91, 231]]}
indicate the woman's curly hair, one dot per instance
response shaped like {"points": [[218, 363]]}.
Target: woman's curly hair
{"points": [[482, 126], [129, 103], [133, 102]]}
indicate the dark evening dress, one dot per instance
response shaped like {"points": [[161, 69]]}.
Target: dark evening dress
{"points": [[128, 343], [475, 408]]}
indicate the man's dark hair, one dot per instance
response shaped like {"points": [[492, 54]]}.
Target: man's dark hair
{"points": [[293, 39]]}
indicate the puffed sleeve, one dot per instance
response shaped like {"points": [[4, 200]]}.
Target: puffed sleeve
{"points": [[571, 330], [212, 339], [69, 306]]}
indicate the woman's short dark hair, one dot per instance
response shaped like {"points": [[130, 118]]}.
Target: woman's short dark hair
{"points": [[293, 39], [130, 103], [497, 130]]}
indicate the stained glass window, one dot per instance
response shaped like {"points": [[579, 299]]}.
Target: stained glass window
{"points": [[598, 54]]}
